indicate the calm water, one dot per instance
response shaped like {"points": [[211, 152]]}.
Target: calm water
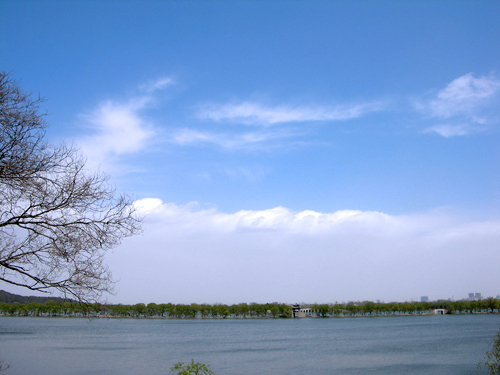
{"points": [[444, 345]]}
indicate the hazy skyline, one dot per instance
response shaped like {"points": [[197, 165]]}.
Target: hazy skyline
{"points": [[280, 151]]}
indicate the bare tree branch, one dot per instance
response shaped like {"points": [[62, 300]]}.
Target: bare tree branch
{"points": [[57, 220]]}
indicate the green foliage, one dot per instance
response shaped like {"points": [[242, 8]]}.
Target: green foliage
{"points": [[491, 303], [60, 307], [191, 369], [323, 310], [369, 307], [275, 310], [285, 311], [492, 359]]}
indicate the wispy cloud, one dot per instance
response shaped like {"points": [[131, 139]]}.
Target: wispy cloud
{"points": [[233, 141], [449, 131], [464, 103], [264, 116], [159, 84], [257, 114], [463, 95], [119, 128]]}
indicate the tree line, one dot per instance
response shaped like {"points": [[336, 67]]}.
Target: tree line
{"points": [[141, 310], [244, 310], [404, 308]]}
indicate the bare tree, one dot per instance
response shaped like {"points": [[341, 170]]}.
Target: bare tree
{"points": [[57, 219]]}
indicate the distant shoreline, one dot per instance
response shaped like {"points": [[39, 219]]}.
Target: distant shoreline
{"points": [[2, 315], [13, 305]]}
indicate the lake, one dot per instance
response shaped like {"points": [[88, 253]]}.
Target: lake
{"points": [[444, 345]]}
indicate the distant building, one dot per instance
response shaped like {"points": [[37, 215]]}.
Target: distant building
{"points": [[475, 297], [439, 312], [424, 299]]}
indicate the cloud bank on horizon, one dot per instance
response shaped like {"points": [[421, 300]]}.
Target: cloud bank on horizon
{"points": [[280, 255]]}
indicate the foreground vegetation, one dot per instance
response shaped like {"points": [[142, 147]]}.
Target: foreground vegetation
{"points": [[244, 310], [192, 369], [492, 360]]}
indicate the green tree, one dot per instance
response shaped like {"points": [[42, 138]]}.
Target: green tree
{"points": [[193, 310], [243, 309], [205, 310], [352, 308], [181, 310], [139, 309], [53, 308], [152, 309], [405, 307], [475, 306], [170, 309], [492, 359], [285, 311], [275, 310], [323, 310], [369, 307], [192, 369], [162, 309], [393, 307], [468, 306], [34, 308], [426, 306], [491, 303], [116, 310], [460, 306], [11, 309], [66, 308], [451, 307], [337, 309], [260, 309]]}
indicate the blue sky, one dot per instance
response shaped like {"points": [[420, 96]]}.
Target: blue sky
{"points": [[281, 151]]}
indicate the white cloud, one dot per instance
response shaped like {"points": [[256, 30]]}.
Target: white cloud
{"points": [[275, 219], [148, 205], [189, 254], [448, 131], [159, 84], [463, 94], [118, 129], [257, 114], [468, 103], [232, 141]]}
